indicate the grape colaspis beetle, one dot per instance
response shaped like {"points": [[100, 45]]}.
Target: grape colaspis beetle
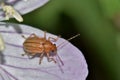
{"points": [[42, 47]]}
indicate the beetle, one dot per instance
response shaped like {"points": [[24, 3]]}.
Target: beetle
{"points": [[40, 46]]}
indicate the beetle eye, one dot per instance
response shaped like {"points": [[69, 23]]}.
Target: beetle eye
{"points": [[55, 44], [52, 51]]}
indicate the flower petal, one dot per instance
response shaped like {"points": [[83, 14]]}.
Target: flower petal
{"points": [[74, 68], [22, 6], [2, 46], [3, 74]]}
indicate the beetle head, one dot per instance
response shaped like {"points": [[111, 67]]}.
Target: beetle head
{"points": [[53, 51]]}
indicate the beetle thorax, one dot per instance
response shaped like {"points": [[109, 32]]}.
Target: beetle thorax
{"points": [[50, 48]]}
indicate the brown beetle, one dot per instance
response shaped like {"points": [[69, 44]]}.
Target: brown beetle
{"points": [[40, 46]]}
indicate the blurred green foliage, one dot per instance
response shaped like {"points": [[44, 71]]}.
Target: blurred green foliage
{"points": [[93, 20]]}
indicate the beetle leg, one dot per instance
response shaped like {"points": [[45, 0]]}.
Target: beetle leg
{"points": [[33, 35], [27, 55], [35, 55], [31, 56], [50, 59], [23, 36], [53, 39], [45, 34], [23, 54], [41, 57]]}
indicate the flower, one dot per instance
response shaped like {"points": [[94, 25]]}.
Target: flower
{"points": [[18, 67]]}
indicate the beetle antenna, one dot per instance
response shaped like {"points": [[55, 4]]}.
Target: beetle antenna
{"points": [[69, 39], [73, 37], [58, 57]]}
